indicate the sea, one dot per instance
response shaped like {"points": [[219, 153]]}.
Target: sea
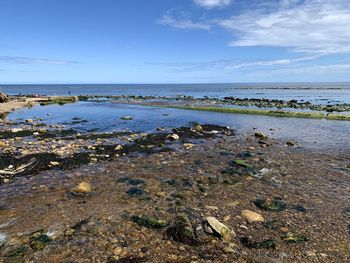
{"points": [[318, 93], [106, 116]]}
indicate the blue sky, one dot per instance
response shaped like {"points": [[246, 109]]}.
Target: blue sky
{"points": [[174, 41]]}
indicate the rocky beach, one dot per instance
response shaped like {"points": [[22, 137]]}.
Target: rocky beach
{"points": [[199, 192]]}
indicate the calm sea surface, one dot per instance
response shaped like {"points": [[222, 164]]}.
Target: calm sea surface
{"points": [[320, 93]]}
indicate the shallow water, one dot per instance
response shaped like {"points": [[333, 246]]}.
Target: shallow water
{"points": [[105, 117], [318, 93]]}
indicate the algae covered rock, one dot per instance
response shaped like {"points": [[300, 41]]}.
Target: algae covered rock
{"points": [[276, 204], [182, 230], [294, 238]]}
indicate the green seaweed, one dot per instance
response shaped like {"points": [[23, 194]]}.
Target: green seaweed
{"points": [[275, 113], [149, 222], [294, 238]]}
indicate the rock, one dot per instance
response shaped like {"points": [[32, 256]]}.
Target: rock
{"points": [[198, 128], [39, 241], [260, 135], [2, 144], [182, 230], [276, 204], [219, 228], [188, 146], [252, 217], [29, 120], [3, 97], [135, 192], [290, 143], [83, 188], [127, 118], [53, 163], [173, 137]]}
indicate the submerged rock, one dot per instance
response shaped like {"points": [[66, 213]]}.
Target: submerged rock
{"points": [[276, 204], [218, 228], [250, 243], [135, 192], [149, 222], [252, 217], [127, 118], [182, 230], [39, 241], [261, 135]]}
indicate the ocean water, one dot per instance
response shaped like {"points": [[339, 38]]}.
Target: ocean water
{"points": [[105, 117], [318, 93]]}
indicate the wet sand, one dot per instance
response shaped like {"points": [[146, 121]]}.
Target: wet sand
{"points": [[42, 220]]}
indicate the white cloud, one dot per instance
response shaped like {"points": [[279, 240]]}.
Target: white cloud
{"points": [[212, 3], [183, 23], [316, 26], [29, 60]]}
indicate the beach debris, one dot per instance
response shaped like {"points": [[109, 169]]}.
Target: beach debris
{"points": [[252, 217], [294, 238], [173, 137], [11, 170], [182, 230], [217, 228], [149, 222], [275, 204], [127, 118], [82, 188]]}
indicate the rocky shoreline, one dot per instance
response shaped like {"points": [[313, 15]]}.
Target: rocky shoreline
{"points": [[197, 193]]}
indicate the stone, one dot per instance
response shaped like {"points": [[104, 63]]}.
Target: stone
{"points": [[294, 238], [83, 188], [252, 217], [290, 143], [276, 204], [182, 230], [2, 144], [198, 128], [3, 97], [260, 135], [188, 146], [173, 137], [219, 228]]}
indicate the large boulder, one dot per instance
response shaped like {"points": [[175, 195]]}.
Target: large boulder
{"points": [[3, 97]]}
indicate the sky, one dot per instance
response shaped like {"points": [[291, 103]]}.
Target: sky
{"points": [[174, 41]]}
